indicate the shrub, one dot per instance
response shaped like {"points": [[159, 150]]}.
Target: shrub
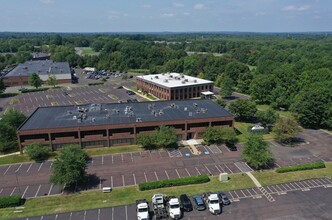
{"points": [[309, 166], [10, 201], [34, 90], [37, 152], [95, 84], [174, 182]]}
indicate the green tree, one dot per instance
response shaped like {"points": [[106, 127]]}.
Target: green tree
{"points": [[37, 152], [226, 86], [51, 81], [261, 87], [2, 86], [201, 75], [8, 126], [243, 109], [228, 135], [165, 136], [256, 152], [212, 135], [69, 167], [146, 140], [34, 80], [286, 129], [267, 117]]}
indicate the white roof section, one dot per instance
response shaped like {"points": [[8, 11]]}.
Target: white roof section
{"points": [[172, 80], [207, 93]]}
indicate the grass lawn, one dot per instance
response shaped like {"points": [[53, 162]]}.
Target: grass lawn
{"points": [[281, 113], [88, 51], [14, 159], [243, 132], [119, 196], [271, 177], [114, 150]]}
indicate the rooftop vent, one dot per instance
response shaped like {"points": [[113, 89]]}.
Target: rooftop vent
{"points": [[195, 104], [195, 80], [151, 106], [185, 109], [161, 112], [183, 82], [157, 77], [182, 76], [138, 119], [173, 105], [165, 80], [74, 117], [93, 119], [190, 114], [187, 80]]}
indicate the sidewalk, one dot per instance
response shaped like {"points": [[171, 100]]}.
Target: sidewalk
{"points": [[16, 153]]}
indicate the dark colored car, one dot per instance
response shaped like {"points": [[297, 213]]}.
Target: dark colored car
{"points": [[130, 92], [223, 198], [231, 146], [186, 203], [199, 203]]}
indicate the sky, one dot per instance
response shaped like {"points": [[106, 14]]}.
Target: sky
{"points": [[165, 15]]}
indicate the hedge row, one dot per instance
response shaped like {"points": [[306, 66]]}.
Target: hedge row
{"points": [[174, 182], [309, 166], [33, 90], [95, 84], [10, 201]]}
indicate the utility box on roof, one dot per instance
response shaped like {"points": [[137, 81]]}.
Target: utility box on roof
{"points": [[223, 177]]}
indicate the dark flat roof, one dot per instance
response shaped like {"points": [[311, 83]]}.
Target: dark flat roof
{"points": [[122, 113], [41, 67]]}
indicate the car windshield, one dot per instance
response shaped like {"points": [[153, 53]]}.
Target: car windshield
{"points": [[143, 210], [175, 206], [199, 201], [214, 201]]}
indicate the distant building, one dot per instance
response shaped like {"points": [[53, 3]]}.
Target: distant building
{"points": [[41, 56], [44, 68], [106, 125], [173, 86]]}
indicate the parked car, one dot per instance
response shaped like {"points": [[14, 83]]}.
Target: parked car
{"points": [[186, 203], [130, 92], [223, 198], [231, 146], [199, 203]]}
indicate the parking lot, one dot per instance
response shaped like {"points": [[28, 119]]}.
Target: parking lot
{"points": [[246, 204]]}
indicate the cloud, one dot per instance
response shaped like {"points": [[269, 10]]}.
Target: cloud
{"points": [[296, 8], [46, 1], [146, 6], [186, 13], [113, 16], [199, 6], [167, 15], [178, 5]]}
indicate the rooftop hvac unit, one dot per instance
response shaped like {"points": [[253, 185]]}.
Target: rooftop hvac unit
{"points": [[93, 119], [138, 119], [182, 76], [195, 104], [173, 105], [157, 77], [165, 80], [74, 117], [195, 80], [187, 80], [185, 109], [183, 82], [190, 114]]}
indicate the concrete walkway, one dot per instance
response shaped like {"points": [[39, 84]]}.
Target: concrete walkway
{"points": [[6, 155], [254, 179]]}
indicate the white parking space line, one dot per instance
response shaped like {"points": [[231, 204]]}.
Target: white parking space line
{"points": [[228, 168], [71, 214], [249, 192], [131, 156], [295, 188], [112, 213], [243, 194], [112, 159], [134, 177], [84, 215], [166, 174], [198, 171], [314, 183], [208, 170], [122, 157], [277, 165], [40, 166], [221, 168], [126, 212], [304, 182], [99, 182], [236, 194], [123, 181], [18, 168], [299, 187], [177, 173], [155, 173], [226, 148], [7, 170], [25, 191], [51, 165], [49, 191], [2, 190], [319, 181], [146, 179], [272, 191], [280, 190], [102, 160], [37, 191], [187, 171], [112, 182], [217, 168], [290, 188], [56, 217], [283, 186], [303, 186], [229, 193], [42, 217], [12, 191]]}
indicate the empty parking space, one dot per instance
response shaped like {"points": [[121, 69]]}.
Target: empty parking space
{"points": [[243, 167], [151, 176], [214, 149], [174, 153], [128, 180], [172, 173], [78, 215], [117, 180], [120, 212], [44, 190], [106, 214]]}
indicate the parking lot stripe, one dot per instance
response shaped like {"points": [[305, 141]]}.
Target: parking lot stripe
{"points": [[122, 157], [24, 191], [112, 213], [134, 177], [208, 170], [98, 213], [221, 168], [42, 217], [38, 190], [249, 192], [56, 217], [84, 215], [280, 190], [2, 190], [102, 160], [99, 182], [112, 181], [155, 173], [243, 194], [304, 182], [71, 214], [40, 166], [7, 169], [236, 194], [283, 186], [303, 186], [217, 168], [198, 171], [123, 181], [231, 194], [272, 191], [146, 179], [12, 191], [187, 171], [126, 212], [226, 148], [177, 173], [18, 168], [295, 188], [314, 183], [112, 159], [228, 168], [299, 187], [166, 174], [49, 191], [321, 182]]}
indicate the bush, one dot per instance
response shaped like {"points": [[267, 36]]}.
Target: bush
{"points": [[174, 182], [34, 90], [10, 201], [37, 152], [95, 84], [310, 166]]}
